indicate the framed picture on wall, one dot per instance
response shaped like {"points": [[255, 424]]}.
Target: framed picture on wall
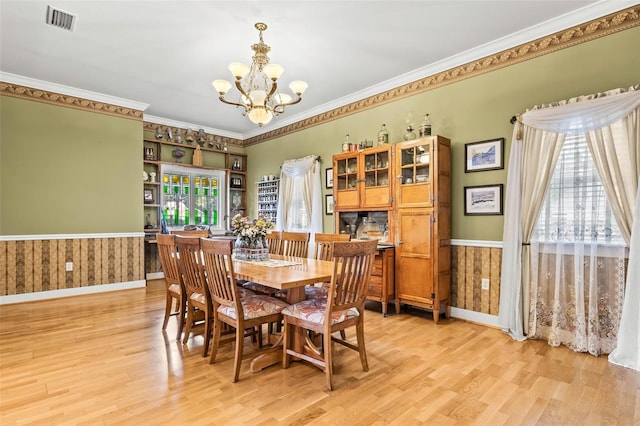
{"points": [[328, 207], [484, 200], [328, 176], [484, 155]]}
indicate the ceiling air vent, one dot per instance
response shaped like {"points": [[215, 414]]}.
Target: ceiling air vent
{"points": [[60, 19]]}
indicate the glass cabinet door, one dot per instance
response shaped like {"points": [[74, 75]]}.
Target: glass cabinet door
{"points": [[414, 174], [376, 169], [415, 162], [345, 180]]}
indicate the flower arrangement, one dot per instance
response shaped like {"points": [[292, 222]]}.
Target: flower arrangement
{"points": [[251, 242], [245, 227]]}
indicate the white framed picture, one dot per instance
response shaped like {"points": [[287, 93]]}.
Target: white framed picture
{"points": [[483, 200]]}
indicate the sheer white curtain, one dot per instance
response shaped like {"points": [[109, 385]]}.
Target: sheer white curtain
{"points": [[531, 163], [584, 114], [300, 181], [578, 259], [627, 352]]}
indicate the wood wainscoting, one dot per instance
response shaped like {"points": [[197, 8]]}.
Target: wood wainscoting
{"points": [[469, 265], [38, 264]]}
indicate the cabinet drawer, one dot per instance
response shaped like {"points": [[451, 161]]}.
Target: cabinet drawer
{"points": [[377, 267], [375, 287]]}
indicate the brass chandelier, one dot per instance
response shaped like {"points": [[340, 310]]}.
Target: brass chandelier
{"points": [[258, 85]]}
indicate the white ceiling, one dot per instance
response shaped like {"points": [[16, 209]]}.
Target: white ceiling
{"points": [[166, 53]]}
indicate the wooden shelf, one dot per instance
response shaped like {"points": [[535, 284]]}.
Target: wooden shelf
{"points": [[188, 145]]}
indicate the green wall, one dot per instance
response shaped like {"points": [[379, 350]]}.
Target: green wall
{"points": [[64, 170], [471, 110], [68, 171]]}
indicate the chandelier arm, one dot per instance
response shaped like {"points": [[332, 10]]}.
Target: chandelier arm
{"points": [[243, 93], [222, 98], [283, 105], [274, 87]]}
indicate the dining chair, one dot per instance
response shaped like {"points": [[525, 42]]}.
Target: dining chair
{"points": [[229, 307], [295, 244], [323, 251], [175, 287], [344, 307], [198, 297], [274, 241]]}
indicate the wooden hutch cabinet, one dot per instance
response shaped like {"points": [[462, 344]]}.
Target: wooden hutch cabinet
{"points": [[405, 186], [423, 224]]}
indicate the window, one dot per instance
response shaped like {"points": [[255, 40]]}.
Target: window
{"points": [[576, 207], [299, 216]]}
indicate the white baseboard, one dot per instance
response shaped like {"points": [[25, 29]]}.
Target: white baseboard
{"points": [[66, 292], [476, 317], [155, 275]]}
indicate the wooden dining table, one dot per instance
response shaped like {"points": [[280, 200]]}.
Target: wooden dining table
{"points": [[292, 278]]}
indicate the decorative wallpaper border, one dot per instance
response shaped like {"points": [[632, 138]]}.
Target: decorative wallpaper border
{"points": [[58, 99], [582, 33]]}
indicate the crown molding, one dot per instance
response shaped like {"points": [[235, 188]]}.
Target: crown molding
{"points": [[56, 94], [447, 72]]}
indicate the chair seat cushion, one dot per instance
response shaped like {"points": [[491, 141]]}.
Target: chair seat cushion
{"points": [[259, 288], [199, 298], [313, 310], [315, 292], [255, 306], [244, 292], [174, 288]]}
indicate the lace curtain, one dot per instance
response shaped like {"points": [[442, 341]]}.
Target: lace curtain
{"points": [[611, 117], [578, 259]]}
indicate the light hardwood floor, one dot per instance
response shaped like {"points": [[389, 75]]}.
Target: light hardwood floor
{"points": [[103, 359]]}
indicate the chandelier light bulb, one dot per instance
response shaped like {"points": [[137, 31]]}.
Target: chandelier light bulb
{"points": [[298, 87], [221, 86], [258, 97], [282, 98], [273, 71], [239, 70], [260, 115]]}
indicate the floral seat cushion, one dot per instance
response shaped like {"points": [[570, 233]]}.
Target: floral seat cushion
{"points": [[198, 297], [244, 292], [175, 288], [313, 310], [255, 306], [315, 292], [259, 288]]}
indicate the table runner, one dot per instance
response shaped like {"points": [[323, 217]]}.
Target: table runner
{"points": [[270, 263]]}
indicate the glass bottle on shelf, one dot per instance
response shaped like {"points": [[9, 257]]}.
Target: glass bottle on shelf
{"points": [[425, 127], [409, 134], [383, 135], [346, 144]]}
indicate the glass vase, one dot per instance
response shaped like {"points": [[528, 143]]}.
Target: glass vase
{"points": [[241, 248]]}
